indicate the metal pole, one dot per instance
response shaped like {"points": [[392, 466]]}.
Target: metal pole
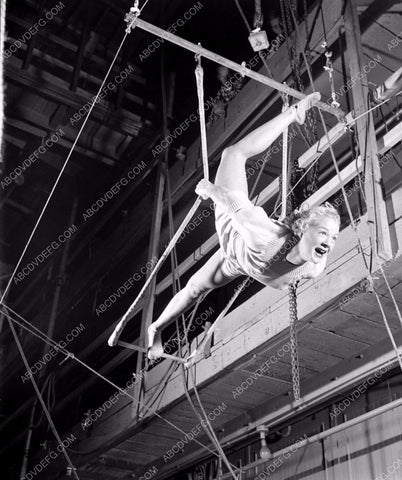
{"points": [[320, 436], [243, 70]]}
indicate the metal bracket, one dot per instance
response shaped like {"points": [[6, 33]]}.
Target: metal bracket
{"points": [[132, 16]]}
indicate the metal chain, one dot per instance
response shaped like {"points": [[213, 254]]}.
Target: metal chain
{"points": [[294, 351], [309, 126]]}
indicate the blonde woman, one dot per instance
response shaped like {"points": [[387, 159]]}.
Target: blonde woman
{"points": [[272, 252]]}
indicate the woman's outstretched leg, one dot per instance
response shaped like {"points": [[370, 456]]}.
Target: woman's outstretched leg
{"points": [[231, 173], [209, 277]]}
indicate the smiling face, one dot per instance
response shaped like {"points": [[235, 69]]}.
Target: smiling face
{"points": [[319, 239]]}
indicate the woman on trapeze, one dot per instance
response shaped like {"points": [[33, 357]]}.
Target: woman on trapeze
{"points": [[251, 243]]}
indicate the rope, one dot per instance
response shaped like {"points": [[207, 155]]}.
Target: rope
{"points": [[210, 433], [199, 75], [68, 354], [243, 16], [351, 122], [113, 339], [242, 286], [5, 292], [208, 423], [40, 398], [284, 183], [296, 184], [349, 210]]}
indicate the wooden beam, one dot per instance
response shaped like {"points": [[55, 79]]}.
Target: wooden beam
{"points": [[386, 142], [31, 44], [82, 45], [267, 321], [41, 131], [389, 140], [377, 213], [56, 90], [148, 304], [241, 109]]}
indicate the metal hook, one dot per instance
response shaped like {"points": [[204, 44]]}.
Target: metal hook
{"points": [[197, 56], [132, 16], [285, 99]]}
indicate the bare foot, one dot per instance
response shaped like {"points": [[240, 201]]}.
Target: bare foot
{"points": [[304, 105], [155, 348]]}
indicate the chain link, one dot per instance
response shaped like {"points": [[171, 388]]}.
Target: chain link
{"points": [[310, 127], [294, 351]]}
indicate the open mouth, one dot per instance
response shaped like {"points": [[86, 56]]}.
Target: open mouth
{"points": [[320, 251]]}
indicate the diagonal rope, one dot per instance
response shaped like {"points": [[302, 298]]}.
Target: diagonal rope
{"points": [[353, 224], [208, 425], [39, 395], [114, 337], [68, 354], [7, 288], [353, 120]]}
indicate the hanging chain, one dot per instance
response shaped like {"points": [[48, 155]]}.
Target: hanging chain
{"points": [[286, 8], [289, 9], [294, 351], [309, 129]]}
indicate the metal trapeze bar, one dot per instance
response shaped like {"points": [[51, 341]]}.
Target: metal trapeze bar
{"points": [[197, 49], [145, 350]]}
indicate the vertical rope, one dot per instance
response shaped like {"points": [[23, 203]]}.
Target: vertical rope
{"points": [[127, 316], [199, 75], [284, 182], [352, 221], [50, 196]]}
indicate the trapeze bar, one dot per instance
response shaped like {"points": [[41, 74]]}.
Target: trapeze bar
{"points": [[197, 49], [144, 350]]}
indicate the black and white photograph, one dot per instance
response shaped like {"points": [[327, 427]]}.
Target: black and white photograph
{"points": [[201, 239]]}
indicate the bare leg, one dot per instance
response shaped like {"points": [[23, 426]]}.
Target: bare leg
{"points": [[391, 86], [231, 172], [231, 175], [209, 277]]}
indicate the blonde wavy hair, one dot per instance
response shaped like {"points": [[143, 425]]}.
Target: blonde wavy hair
{"points": [[301, 218]]}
